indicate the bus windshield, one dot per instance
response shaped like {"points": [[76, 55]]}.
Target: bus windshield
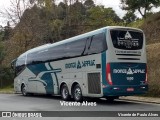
{"points": [[127, 39]]}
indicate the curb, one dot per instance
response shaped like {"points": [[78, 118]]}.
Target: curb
{"points": [[142, 99], [6, 92]]}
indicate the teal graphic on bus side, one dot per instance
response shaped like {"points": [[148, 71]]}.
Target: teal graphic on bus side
{"points": [[80, 64], [44, 76]]}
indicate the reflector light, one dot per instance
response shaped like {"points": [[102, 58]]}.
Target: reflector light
{"points": [[108, 74]]}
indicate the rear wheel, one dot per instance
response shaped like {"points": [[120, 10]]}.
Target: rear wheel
{"points": [[77, 93], [23, 90], [65, 92]]}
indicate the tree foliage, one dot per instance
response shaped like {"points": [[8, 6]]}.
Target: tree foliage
{"points": [[129, 17], [99, 16], [143, 6], [2, 53], [89, 4], [45, 21]]}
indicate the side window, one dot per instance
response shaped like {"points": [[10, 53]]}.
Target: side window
{"points": [[88, 45], [55, 53], [97, 44], [35, 57], [52, 53], [75, 48]]}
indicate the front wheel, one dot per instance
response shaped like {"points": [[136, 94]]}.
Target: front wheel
{"points": [[65, 92], [77, 93]]}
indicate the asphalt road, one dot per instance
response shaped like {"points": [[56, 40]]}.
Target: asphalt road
{"points": [[17, 102]]}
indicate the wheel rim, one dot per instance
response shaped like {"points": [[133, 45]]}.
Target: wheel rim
{"points": [[65, 93], [77, 93]]}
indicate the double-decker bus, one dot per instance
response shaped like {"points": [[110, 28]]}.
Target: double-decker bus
{"points": [[104, 63]]}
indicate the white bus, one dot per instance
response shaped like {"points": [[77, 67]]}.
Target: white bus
{"points": [[108, 62]]}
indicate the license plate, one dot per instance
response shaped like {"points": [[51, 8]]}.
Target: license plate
{"points": [[130, 89]]}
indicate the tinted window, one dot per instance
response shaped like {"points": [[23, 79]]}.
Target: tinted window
{"points": [[127, 39], [57, 52], [52, 53], [36, 57], [75, 48], [88, 45], [97, 44]]}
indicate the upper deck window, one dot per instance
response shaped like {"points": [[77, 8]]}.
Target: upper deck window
{"points": [[127, 39], [97, 43], [91, 44]]}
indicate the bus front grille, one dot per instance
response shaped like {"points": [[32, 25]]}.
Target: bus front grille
{"points": [[94, 86]]}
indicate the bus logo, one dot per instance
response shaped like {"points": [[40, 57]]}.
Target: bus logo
{"points": [[80, 64], [128, 35], [128, 71]]}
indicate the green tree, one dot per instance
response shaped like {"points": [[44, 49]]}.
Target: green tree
{"points": [[61, 11], [73, 18], [129, 17], [99, 17], [7, 31], [89, 4], [1, 33], [143, 6], [2, 53]]}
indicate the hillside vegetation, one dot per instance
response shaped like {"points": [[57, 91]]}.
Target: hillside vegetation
{"points": [[45, 21], [153, 59], [151, 28]]}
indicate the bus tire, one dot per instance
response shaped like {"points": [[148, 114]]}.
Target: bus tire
{"points": [[23, 90], [65, 93], [77, 93]]}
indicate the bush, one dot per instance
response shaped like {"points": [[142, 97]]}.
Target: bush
{"points": [[6, 77]]}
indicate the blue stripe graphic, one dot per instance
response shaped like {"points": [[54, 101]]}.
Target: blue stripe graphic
{"points": [[43, 74]]}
